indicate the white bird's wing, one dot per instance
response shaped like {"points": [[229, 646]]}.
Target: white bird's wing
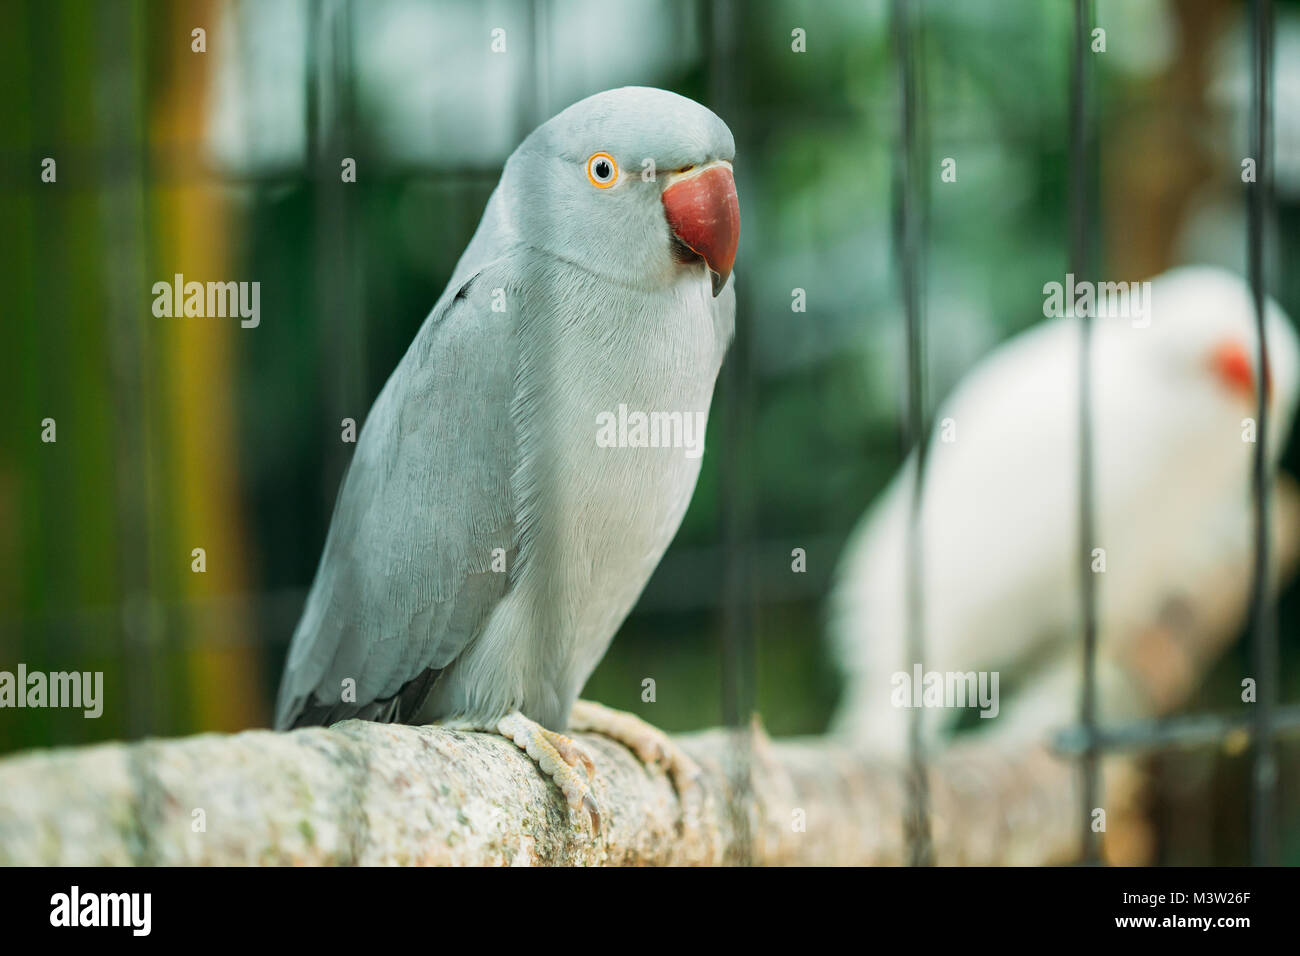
{"points": [[406, 578]]}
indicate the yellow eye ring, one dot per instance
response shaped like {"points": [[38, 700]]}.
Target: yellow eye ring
{"points": [[602, 170]]}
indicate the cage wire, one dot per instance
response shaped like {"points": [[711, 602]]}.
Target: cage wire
{"points": [[331, 124], [126, 234], [1264, 649], [1081, 264], [909, 245], [739, 609]]}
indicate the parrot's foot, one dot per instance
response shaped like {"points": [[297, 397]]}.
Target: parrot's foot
{"points": [[558, 757], [648, 742]]}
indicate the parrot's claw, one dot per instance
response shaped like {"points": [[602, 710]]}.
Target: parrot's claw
{"points": [[559, 757], [593, 810], [573, 753], [649, 743]]}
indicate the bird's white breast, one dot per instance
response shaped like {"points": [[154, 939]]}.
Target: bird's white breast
{"points": [[596, 519], [622, 502]]}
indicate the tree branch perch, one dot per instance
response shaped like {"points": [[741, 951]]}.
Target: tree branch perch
{"points": [[365, 793]]}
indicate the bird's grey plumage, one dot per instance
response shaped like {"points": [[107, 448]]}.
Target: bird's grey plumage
{"points": [[482, 443]]}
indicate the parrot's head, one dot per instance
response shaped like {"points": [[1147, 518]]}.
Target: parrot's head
{"points": [[1204, 335], [633, 184]]}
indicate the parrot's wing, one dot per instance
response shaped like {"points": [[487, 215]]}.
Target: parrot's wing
{"points": [[425, 513]]}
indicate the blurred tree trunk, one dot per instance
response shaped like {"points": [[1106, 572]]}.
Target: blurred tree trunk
{"points": [[1155, 156], [197, 375]]}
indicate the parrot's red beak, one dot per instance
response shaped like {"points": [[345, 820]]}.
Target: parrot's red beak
{"points": [[704, 214]]}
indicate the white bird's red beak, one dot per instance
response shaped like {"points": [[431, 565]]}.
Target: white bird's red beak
{"points": [[1235, 369], [703, 212]]}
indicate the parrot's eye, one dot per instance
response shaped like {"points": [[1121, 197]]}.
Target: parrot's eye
{"points": [[602, 170]]}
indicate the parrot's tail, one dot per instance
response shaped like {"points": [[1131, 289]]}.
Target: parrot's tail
{"points": [[401, 708]]}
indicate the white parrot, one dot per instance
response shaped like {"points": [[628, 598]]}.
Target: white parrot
{"points": [[486, 545], [1172, 468]]}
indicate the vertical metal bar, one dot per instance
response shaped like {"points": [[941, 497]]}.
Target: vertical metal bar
{"points": [[124, 227], [909, 244], [1081, 265], [1264, 651], [740, 396], [330, 130], [541, 61]]}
